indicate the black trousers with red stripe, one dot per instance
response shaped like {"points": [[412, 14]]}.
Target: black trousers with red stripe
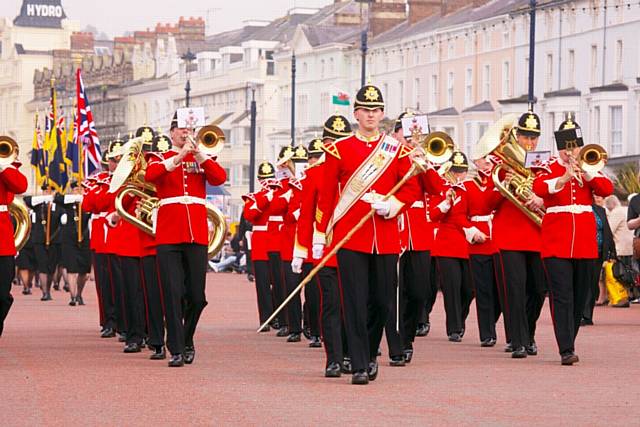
{"points": [[294, 308], [278, 290], [117, 282], [312, 301], [455, 281], [483, 277], [263, 289], [569, 282], [134, 299], [501, 292], [7, 273], [105, 290], [525, 290], [415, 290], [153, 301]]}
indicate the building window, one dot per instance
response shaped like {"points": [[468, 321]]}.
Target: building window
{"points": [[450, 89], [506, 79], [506, 38], [245, 174], [227, 183], [322, 68], [572, 68], [450, 50], [416, 56], [594, 65], [468, 87], [550, 125], [416, 94], [451, 131], [433, 101], [615, 119], [619, 60], [468, 137], [401, 92], [486, 82], [549, 76], [596, 123], [482, 128]]}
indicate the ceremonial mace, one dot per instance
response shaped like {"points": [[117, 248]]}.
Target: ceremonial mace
{"points": [[418, 165]]}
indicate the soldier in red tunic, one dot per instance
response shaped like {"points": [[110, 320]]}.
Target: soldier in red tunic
{"points": [[12, 182], [182, 234], [358, 171], [569, 234]]}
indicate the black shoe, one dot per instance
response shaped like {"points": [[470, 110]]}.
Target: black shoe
{"points": [[158, 353], [66, 288], [489, 342], [56, 287], [569, 359], [250, 277], [267, 328], [72, 302], [306, 331], [462, 333], [422, 330], [408, 355], [372, 370], [122, 337], [346, 365], [80, 300], [108, 333], [532, 349], [144, 343], [189, 354], [519, 353], [293, 337], [133, 347], [283, 332], [455, 337], [275, 324], [332, 370], [508, 348], [397, 361], [360, 378], [176, 361], [26, 292], [315, 342], [586, 322]]}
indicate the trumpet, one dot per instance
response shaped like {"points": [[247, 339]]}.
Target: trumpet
{"points": [[9, 150], [438, 147], [210, 140], [591, 159]]}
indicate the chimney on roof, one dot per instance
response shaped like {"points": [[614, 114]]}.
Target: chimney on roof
{"points": [[422, 9], [451, 6], [384, 16]]}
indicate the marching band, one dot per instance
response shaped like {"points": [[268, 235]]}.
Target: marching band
{"points": [[370, 224]]}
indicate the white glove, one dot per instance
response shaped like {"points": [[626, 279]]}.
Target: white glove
{"points": [[296, 265], [317, 250], [63, 219], [382, 207]]}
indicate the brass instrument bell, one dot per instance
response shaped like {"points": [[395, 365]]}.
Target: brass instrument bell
{"points": [[8, 150]]}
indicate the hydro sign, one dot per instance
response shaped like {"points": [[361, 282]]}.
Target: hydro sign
{"points": [[40, 14], [43, 10]]}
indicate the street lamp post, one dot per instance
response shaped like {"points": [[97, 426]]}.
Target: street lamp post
{"points": [[532, 50], [188, 58], [252, 147], [363, 48], [293, 99]]}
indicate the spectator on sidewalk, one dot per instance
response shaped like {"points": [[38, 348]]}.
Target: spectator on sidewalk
{"points": [[227, 257]]}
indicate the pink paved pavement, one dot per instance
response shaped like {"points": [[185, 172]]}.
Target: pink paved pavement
{"points": [[55, 370]]}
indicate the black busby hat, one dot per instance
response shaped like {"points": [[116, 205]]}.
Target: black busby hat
{"points": [[315, 148], [336, 127], [368, 97], [266, 170], [286, 154], [115, 148], [569, 134], [300, 154], [529, 124], [459, 162], [174, 121], [398, 124], [160, 144], [146, 133]]}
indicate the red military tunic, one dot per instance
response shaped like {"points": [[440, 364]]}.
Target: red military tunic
{"points": [[182, 216], [257, 213], [277, 210], [569, 226], [378, 235], [454, 228], [92, 194], [481, 213], [11, 182], [306, 222], [293, 197], [126, 237]]}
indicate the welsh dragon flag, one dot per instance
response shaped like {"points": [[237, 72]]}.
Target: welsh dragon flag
{"points": [[341, 98]]}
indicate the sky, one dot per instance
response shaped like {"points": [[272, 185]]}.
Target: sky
{"points": [[114, 17]]}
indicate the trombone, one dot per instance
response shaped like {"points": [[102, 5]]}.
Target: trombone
{"points": [[209, 139], [9, 150], [591, 159]]}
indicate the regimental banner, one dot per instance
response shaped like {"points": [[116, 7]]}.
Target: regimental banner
{"points": [[40, 14]]}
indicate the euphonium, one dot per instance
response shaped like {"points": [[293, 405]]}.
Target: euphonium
{"points": [[18, 210], [210, 140], [128, 179], [8, 150], [500, 140]]}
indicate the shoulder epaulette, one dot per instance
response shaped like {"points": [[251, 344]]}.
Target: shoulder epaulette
{"points": [[332, 149], [405, 150]]}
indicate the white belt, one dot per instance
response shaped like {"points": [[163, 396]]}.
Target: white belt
{"points": [[572, 209], [260, 228], [185, 200], [481, 218], [275, 219], [4, 208], [418, 204], [101, 215]]}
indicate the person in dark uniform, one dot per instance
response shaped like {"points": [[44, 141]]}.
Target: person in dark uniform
{"points": [[12, 182], [182, 234], [569, 239], [76, 255], [26, 262]]}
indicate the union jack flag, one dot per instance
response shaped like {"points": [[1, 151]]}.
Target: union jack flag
{"points": [[86, 131]]}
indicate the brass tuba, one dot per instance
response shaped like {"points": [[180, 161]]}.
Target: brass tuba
{"points": [[500, 140], [8, 150], [210, 140], [19, 211], [128, 179]]}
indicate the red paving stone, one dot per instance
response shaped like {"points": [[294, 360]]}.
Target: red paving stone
{"points": [[54, 370]]}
